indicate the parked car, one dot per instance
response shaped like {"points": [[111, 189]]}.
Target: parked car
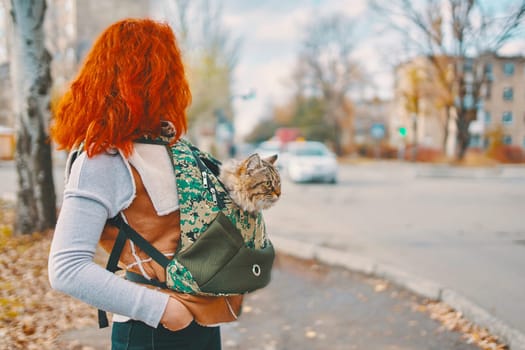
{"points": [[310, 161]]}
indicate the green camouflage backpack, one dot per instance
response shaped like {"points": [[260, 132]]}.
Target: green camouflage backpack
{"points": [[223, 250]]}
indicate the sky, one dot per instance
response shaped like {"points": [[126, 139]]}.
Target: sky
{"points": [[271, 32]]}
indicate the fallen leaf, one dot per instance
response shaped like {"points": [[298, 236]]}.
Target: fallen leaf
{"points": [[247, 309], [310, 334], [380, 287]]}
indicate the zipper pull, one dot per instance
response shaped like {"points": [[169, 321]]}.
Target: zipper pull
{"points": [[214, 195], [204, 179]]}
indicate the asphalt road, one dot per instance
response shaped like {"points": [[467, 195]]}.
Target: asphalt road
{"points": [[463, 229]]}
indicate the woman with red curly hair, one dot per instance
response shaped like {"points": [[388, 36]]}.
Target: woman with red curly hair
{"points": [[132, 86]]}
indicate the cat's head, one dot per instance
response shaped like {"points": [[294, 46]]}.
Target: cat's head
{"points": [[261, 180]]}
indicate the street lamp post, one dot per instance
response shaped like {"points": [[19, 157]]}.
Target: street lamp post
{"points": [[225, 128]]}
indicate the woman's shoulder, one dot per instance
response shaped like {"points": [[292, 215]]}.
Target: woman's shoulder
{"points": [[105, 177]]}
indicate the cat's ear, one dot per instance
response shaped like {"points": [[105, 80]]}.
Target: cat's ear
{"points": [[253, 162], [271, 159]]}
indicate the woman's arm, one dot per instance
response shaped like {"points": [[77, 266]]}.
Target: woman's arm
{"points": [[98, 188], [72, 270]]}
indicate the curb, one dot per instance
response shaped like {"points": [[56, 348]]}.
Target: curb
{"points": [[514, 338], [498, 172]]}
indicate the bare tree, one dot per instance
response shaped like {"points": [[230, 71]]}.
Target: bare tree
{"points": [[211, 53], [441, 91], [460, 30], [412, 94], [327, 69], [181, 10], [30, 63]]}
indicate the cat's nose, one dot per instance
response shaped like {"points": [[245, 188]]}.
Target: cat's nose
{"points": [[277, 193]]}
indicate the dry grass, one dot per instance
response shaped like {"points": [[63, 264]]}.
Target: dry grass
{"points": [[453, 320], [32, 315]]}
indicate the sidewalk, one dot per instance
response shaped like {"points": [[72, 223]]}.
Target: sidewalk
{"points": [[311, 306], [419, 286]]}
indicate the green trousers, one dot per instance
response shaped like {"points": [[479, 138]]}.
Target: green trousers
{"points": [[136, 335]]}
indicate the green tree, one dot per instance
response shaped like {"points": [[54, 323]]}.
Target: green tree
{"points": [[263, 131], [308, 117], [307, 114]]}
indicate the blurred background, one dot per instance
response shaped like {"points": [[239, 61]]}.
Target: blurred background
{"points": [[373, 79], [399, 124]]}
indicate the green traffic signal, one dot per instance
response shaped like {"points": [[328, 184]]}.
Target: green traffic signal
{"points": [[402, 131]]}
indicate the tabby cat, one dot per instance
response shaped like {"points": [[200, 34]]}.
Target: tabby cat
{"points": [[253, 183]]}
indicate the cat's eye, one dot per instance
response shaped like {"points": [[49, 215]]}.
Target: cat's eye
{"points": [[269, 183]]}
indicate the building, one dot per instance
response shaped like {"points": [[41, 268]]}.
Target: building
{"points": [[419, 108], [421, 103], [503, 101]]}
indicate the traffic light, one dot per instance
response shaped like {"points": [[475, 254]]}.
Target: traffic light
{"points": [[402, 131]]}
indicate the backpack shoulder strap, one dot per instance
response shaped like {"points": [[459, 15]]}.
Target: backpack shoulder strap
{"points": [[127, 232], [211, 162], [71, 157]]}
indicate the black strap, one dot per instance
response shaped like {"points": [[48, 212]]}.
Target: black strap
{"points": [[102, 319], [127, 232], [114, 257], [147, 140], [135, 277], [112, 266], [143, 244]]}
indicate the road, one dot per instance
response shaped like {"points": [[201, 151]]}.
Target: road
{"points": [[464, 230]]}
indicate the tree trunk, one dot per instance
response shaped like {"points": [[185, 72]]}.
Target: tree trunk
{"points": [[446, 130], [415, 139], [463, 134], [338, 149], [36, 199]]}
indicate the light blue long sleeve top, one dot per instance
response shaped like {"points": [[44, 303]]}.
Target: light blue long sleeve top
{"points": [[98, 188]]}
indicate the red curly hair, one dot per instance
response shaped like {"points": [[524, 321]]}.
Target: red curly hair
{"points": [[132, 79]]}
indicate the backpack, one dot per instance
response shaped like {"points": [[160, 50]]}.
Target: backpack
{"points": [[223, 250]]}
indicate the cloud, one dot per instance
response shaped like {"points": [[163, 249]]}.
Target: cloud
{"points": [[266, 25], [516, 47], [271, 33], [350, 8], [269, 82]]}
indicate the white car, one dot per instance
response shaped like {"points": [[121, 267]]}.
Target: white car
{"points": [[310, 161]]}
